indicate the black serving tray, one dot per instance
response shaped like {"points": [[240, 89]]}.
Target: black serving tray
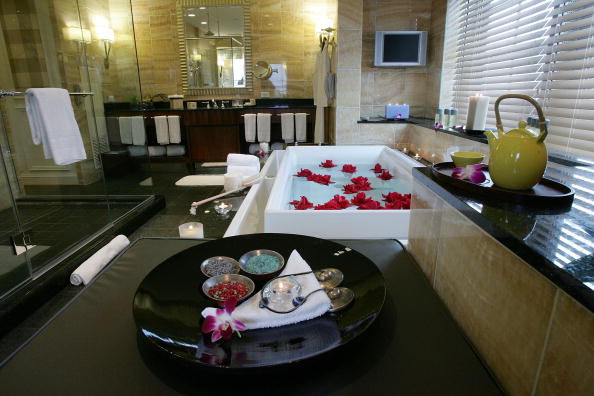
{"points": [[547, 192], [169, 300]]}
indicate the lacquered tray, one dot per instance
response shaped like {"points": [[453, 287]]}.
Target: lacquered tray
{"points": [[546, 192], [169, 300]]}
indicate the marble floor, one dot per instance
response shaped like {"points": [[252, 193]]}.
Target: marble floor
{"points": [[164, 224]]}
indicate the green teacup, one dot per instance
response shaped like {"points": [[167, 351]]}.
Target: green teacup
{"points": [[463, 158]]}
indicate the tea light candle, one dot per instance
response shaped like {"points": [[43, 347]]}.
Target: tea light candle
{"points": [[417, 157], [478, 106], [193, 230], [281, 286], [222, 208], [405, 150]]}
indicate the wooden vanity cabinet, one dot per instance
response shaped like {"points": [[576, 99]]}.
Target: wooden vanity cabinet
{"points": [[212, 134]]}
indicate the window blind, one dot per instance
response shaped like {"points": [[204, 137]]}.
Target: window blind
{"points": [[540, 48]]}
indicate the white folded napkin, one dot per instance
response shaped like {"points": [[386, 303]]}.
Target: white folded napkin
{"points": [[87, 271], [255, 317]]}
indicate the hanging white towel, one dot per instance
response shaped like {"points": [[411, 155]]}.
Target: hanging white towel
{"points": [[91, 267], [288, 127], [138, 132], [243, 159], [322, 68], [174, 129], [264, 127], [301, 127], [125, 130], [162, 130], [52, 124], [249, 121]]}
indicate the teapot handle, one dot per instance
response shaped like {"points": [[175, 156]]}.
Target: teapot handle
{"points": [[541, 119]]}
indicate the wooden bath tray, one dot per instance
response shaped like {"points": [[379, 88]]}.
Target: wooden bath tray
{"points": [[546, 192]]}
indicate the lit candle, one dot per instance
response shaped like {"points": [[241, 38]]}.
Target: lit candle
{"points": [[281, 286], [478, 106], [222, 208], [405, 150], [417, 157], [192, 230]]}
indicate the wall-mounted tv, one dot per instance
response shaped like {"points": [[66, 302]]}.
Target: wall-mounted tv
{"points": [[400, 48]]}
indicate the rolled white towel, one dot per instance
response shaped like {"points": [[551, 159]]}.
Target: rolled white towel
{"points": [[174, 129], [249, 121], [243, 160], [87, 271], [175, 150], [301, 127], [156, 151], [243, 170], [162, 129], [288, 127], [264, 127]]}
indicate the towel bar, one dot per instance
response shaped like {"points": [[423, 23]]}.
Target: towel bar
{"points": [[16, 93]]}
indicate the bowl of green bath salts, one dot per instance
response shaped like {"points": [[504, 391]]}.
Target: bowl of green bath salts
{"points": [[261, 263]]}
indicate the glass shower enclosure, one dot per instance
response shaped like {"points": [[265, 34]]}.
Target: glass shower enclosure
{"points": [[47, 211]]}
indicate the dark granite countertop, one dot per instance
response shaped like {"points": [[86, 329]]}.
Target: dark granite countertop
{"points": [[557, 243]]}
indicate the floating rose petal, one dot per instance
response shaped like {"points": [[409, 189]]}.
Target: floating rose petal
{"points": [[360, 199], [348, 168], [371, 205], [385, 175], [438, 126], [302, 204], [222, 323], [350, 189], [327, 164], [359, 180], [321, 179], [304, 173], [395, 200], [377, 168], [473, 173]]}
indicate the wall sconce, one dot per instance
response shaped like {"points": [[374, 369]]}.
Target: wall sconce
{"points": [[106, 35], [196, 58]]}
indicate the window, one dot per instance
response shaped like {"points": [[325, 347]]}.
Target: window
{"points": [[540, 48]]}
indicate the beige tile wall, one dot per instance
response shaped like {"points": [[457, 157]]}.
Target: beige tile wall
{"points": [[536, 338], [283, 34]]}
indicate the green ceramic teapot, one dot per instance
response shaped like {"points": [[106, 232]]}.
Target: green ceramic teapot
{"points": [[518, 158]]}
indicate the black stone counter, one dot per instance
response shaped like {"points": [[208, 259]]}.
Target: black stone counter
{"points": [[558, 243]]}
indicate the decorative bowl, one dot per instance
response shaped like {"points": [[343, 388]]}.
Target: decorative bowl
{"points": [[253, 253], [204, 267], [463, 158], [215, 280]]}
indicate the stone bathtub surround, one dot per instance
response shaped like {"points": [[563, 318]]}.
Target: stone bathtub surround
{"points": [[534, 336]]}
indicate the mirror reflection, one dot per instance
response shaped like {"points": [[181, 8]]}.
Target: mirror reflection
{"points": [[214, 39]]}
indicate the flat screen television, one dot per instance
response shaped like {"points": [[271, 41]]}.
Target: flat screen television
{"points": [[400, 48]]}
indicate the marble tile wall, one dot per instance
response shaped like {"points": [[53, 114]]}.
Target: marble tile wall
{"points": [[535, 338], [283, 34]]}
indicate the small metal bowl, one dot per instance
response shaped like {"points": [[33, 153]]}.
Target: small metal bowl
{"points": [[209, 261], [215, 280], [246, 256]]}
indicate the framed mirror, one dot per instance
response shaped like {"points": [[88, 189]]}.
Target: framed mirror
{"points": [[215, 47]]}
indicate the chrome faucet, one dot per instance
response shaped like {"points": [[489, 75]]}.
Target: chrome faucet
{"points": [[214, 104]]}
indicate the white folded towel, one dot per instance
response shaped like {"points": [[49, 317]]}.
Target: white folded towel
{"points": [[87, 271], [249, 124], [174, 129], [243, 170], [162, 129], [301, 127], [175, 150], [138, 132], [52, 124], [243, 160], [137, 151], [264, 127], [288, 127], [125, 130], [255, 317]]}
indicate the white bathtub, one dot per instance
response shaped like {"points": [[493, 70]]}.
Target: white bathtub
{"points": [[331, 224]]}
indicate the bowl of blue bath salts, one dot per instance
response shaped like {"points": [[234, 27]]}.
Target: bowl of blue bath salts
{"points": [[261, 263]]}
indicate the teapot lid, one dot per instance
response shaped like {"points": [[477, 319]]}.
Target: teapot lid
{"points": [[522, 131]]}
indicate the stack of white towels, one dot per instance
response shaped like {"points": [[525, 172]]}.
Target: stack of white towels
{"points": [[240, 168]]}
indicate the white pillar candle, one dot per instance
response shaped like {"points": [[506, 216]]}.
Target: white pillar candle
{"points": [[192, 230], [232, 181], [478, 106]]}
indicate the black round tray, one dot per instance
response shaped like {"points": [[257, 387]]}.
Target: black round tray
{"points": [[546, 192], [169, 300]]}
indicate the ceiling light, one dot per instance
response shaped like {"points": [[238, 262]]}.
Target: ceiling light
{"points": [[203, 8], [191, 15], [203, 23]]}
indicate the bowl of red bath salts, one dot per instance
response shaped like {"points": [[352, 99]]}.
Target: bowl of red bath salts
{"points": [[223, 287]]}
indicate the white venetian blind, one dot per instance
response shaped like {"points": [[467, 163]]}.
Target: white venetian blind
{"points": [[540, 48]]}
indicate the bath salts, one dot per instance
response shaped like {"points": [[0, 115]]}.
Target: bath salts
{"points": [[262, 264]]}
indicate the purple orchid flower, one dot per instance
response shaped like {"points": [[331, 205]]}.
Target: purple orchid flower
{"points": [[473, 173], [222, 323], [438, 126]]}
